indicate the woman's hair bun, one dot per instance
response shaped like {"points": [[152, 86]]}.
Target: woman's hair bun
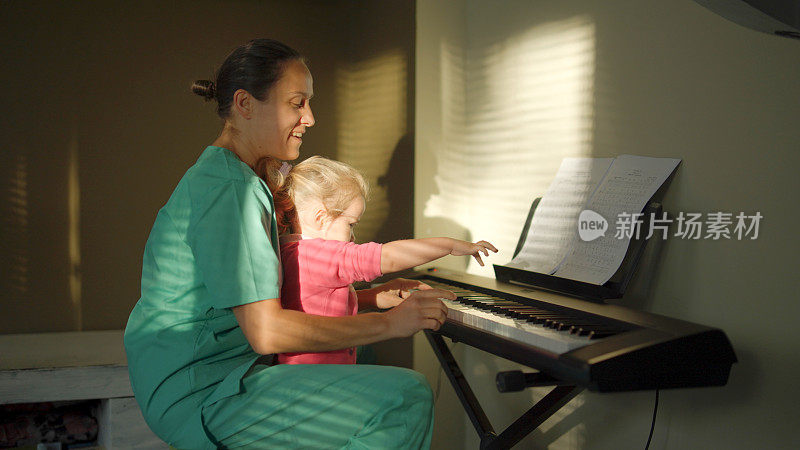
{"points": [[205, 89]]}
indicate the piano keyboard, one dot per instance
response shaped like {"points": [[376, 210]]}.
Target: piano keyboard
{"points": [[599, 346], [545, 329]]}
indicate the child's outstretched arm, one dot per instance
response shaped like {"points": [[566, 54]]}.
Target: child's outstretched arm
{"points": [[405, 254]]}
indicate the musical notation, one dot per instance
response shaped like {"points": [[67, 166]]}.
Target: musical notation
{"points": [[609, 187]]}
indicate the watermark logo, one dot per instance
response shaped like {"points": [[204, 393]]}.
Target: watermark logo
{"points": [[591, 225], [714, 226]]}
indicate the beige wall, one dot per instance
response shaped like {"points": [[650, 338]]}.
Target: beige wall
{"points": [[99, 125], [375, 123], [507, 89]]}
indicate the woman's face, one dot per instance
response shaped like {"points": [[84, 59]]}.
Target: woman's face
{"points": [[278, 123]]}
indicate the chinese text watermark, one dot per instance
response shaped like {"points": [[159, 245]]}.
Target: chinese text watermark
{"points": [[714, 225]]}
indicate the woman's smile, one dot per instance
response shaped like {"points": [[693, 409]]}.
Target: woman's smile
{"points": [[285, 112]]}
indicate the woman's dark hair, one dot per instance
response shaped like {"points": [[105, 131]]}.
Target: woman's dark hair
{"points": [[254, 67]]}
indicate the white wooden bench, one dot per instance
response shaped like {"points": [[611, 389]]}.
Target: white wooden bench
{"points": [[87, 365]]}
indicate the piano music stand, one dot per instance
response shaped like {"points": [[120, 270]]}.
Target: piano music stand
{"points": [[561, 394], [613, 288]]}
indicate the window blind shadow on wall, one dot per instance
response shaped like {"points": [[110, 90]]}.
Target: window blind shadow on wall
{"points": [[512, 108], [15, 226], [372, 117]]}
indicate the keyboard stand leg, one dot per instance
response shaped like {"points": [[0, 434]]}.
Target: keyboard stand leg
{"points": [[461, 386], [535, 416]]}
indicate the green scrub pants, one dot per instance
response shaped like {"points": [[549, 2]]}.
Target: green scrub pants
{"points": [[325, 406]]}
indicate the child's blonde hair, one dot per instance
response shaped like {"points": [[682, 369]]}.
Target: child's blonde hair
{"points": [[333, 183]]}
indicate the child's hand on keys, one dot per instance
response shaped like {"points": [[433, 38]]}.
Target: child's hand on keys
{"points": [[461, 248]]}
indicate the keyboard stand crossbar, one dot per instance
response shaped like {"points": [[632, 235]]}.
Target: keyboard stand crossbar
{"points": [[529, 421]]}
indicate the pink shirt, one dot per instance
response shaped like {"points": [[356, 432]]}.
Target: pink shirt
{"points": [[317, 277]]}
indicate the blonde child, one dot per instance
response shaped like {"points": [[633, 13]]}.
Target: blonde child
{"points": [[318, 204]]}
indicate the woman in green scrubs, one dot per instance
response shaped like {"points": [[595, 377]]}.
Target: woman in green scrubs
{"points": [[200, 337]]}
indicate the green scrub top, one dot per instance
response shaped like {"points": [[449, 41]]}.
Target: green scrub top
{"points": [[213, 246]]}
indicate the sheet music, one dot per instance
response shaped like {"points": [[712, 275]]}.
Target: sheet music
{"points": [[552, 231], [629, 184]]}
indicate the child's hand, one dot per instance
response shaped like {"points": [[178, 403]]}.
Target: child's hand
{"points": [[461, 248], [393, 292]]}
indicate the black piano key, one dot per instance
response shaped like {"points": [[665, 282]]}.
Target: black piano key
{"points": [[500, 303], [520, 316], [550, 316], [511, 308], [469, 300], [478, 301], [482, 306], [495, 306], [508, 304], [575, 327], [598, 332], [520, 313], [554, 323], [500, 309], [506, 313], [534, 319], [519, 309], [530, 310], [586, 330], [572, 322]]}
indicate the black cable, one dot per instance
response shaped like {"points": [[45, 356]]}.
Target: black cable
{"points": [[653, 425]]}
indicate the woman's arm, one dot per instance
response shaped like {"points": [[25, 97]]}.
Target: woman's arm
{"points": [[401, 255], [271, 329]]}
